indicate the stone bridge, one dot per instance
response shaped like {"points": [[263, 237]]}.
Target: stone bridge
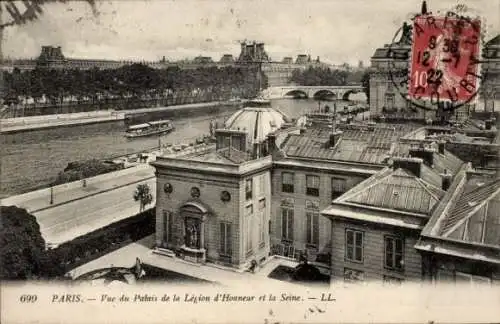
{"points": [[337, 92]]}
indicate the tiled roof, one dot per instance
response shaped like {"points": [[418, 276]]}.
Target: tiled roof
{"points": [[357, 144], [475, 216], [397, 190]]}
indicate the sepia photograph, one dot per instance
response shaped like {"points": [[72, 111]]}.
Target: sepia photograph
{"points": [[265, 161]]}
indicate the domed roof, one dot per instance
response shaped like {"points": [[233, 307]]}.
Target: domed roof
{"points": [[258, 119]]}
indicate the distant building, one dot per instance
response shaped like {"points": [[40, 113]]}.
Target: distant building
{"points": [[490, 88], [303, 59], [203, 60], [287, 60], [253, 52], [227, 58]]}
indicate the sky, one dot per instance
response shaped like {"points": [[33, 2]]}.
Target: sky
{"points": [[338, 31]]}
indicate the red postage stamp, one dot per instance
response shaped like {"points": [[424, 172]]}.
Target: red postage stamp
{"points": [[444, 58]]}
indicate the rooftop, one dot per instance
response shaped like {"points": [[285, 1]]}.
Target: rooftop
{"points": [[398, 190], [358, 143], [472, 212], [467, 221]]}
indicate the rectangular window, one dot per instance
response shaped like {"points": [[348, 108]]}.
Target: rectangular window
{"points": [[167, 226], [312, 185], [354, 245], [338, 187], [312, 223], [262, 222], [287, 181], [287, 223], [225, 239], [248, 189], [393, 253]]}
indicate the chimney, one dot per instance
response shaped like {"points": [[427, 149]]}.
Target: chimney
{"points": [[427, 155], [334, 138], [441, 146], [414, 165], [445, 180], [487, 124], [424, 8]]}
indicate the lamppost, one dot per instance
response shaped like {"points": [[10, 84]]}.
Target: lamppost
{"points": [[51, 195]]}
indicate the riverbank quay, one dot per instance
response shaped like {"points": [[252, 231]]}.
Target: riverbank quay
{"points": [[73, 209], [19, 124], [80, 207], [51, 197]]}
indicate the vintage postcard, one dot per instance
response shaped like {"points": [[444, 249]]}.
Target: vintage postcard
{"points": [[230, 161]]}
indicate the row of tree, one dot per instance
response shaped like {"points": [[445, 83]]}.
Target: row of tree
{"points": [[320, 76], [136, 81]]}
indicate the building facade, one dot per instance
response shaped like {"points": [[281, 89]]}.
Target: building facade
{"points": [[376, 225]]}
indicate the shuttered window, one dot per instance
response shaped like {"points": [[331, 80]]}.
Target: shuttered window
{"points": [[312, 185], [394, 253], [354, 245], [287, 181], [338, 187]]}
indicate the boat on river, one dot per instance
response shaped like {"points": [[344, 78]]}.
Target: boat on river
{"points": [[157, 127]]}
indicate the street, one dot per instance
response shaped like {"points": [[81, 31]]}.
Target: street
{"points": [[67, 221]]}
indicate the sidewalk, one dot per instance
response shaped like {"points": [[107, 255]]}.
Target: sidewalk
{"points": [[40, 200], [125, 257]]}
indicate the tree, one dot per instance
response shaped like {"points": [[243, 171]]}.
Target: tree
{"points": [[22, 248], [143, 195]]}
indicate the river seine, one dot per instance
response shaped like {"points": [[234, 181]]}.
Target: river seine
{"points": [[30, 160]]}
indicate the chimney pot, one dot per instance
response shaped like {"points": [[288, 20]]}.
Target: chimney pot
{"points": [[445, 180], [487, 124], [334, 138], [441, 147], [413, 165], [427, 155]]}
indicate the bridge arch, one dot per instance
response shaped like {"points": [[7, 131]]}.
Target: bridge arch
{"points": [[324, 94], [346, 94], [297, 93]]}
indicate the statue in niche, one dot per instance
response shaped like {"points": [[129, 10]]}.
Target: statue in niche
{"points": [[192, 239]]}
